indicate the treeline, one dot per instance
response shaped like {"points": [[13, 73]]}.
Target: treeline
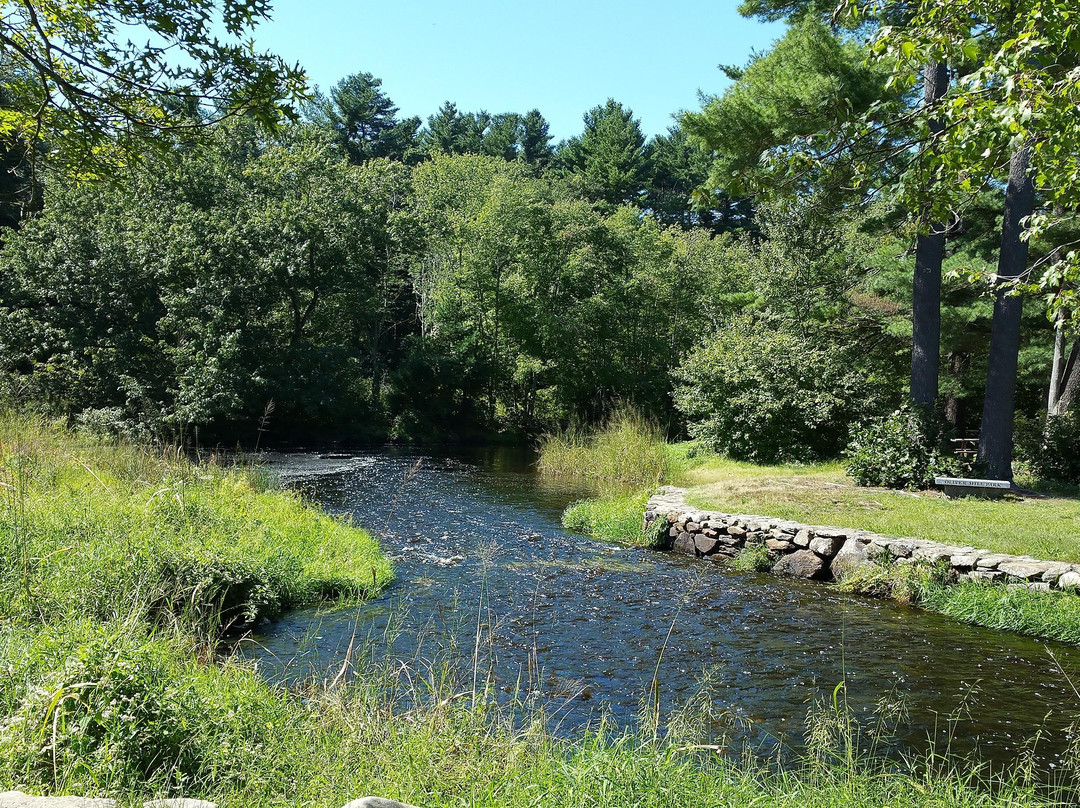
{"points": [[364, 276]]}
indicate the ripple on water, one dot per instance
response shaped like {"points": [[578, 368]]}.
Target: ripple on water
{"points": [[584, 624]]}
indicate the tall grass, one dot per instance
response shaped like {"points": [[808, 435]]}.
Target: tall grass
{"points": [[117, 710], [107, 530], [629, 450]]}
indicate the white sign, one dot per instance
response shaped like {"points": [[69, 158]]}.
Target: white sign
{"points": [[965, 483]]}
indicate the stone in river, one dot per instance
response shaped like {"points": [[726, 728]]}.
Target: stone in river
{"points": [[826, 546], [850, 558], [684, 544], [705, 545]]}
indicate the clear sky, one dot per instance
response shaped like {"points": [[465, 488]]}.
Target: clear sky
{"points": [[561, 57]]}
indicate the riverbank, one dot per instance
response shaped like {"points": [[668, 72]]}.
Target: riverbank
{"points": [[1043, 526], [122, 693]]}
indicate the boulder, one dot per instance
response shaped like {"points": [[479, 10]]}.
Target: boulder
{"points": [[1069, 580], [779, 545], [802, 538], [802, 564], [826, 546], [850, 558], [16, 799], [684, 543], [705, 545], [735, 530], [1024, 570], [377, 802]]}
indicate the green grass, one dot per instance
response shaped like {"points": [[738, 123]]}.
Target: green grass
{"points": [[118, 710], [617, 517], [629, 451], [107, 530], [1042, 527]]}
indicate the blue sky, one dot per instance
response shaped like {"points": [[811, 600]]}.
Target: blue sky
{"points": [[560, 57]]}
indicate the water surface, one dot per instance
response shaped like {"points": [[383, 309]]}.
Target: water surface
{"points": [[584, 626]]}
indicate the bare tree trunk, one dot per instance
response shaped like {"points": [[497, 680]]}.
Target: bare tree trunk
{"points": [[1055, 368], [1069, 386], [996, 435], [926, 285]]}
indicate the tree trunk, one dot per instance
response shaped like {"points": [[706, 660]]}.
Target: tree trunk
{"points": [[926, 286], [1069, 385], [996, 435], [1055, 368]]}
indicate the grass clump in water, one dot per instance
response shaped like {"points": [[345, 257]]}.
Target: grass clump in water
{"points": [[629, 450], [617, 517]]}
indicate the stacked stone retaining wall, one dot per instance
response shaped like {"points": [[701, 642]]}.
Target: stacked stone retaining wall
{"points": [[833, 553]]}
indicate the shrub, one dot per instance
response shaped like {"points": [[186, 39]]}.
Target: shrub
{"points": [[758, 393], [902, 450], [1050, 446]]}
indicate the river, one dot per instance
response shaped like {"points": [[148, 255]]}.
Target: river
{"points": [[583, 626]]}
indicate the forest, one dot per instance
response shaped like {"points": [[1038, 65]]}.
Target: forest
{"points": [[826, 240]]}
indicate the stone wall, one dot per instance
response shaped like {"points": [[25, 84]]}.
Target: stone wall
{"points": [[831, 553]]}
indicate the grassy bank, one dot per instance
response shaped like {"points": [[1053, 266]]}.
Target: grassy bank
{"points": [[1041, 526], [122, 566]]}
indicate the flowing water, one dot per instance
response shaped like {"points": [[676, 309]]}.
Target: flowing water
{"points": [[585, 626]]}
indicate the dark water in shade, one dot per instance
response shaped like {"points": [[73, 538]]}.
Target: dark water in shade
{"points": [[581, 624]]}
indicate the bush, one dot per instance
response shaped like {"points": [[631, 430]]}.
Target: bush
{"points": [[1050, 446], [757, 393], [902, 450]]}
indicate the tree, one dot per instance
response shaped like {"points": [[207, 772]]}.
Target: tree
{"points": [[450, 131], [98, 100], [610, 155], [365, 120]]}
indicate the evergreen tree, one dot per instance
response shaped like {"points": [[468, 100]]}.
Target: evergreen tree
{"points": [[610, 156]]}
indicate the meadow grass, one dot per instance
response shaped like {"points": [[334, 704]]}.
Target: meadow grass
{"points": [[109, 529]]}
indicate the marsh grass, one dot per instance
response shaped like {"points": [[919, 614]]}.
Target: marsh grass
{"points": [[618, 517], [629, 450]]}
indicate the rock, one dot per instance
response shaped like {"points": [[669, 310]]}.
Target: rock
{"points": [[898, 549], [803, 537], [1024, 570], [711, 533], [684, 543], [1055, 571], [986, 575], [692, 527], [990, 562], [850, 558], [934, 553], [735, 530], [673, 532], [779, 545], [826, 546], [964, 560], [802, 564], [832, 532], [705, 545], [1069, 580], [377, 802], [16, 799], [1038, 586], [180, 803]]}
